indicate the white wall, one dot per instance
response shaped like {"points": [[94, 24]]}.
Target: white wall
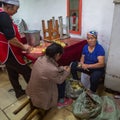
{"points": [[96, 15], [112, 78], [33, 11]]}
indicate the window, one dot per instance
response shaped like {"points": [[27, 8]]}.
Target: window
{"points": [[74, 14]]}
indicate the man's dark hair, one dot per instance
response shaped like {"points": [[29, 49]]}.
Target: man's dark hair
{"points": [[53, 50]]}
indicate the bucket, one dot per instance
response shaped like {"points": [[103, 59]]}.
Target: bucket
{"points": [[32, 37]]}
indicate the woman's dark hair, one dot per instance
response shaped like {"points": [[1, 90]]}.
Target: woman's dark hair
{"points": [[53, 50], [0, 4]]}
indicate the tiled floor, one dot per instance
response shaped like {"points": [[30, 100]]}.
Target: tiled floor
{"points": [[8, 103]]}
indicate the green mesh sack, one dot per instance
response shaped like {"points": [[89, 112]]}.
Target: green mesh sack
{"points": [[73, 88], [87, 106], [110, 109]]}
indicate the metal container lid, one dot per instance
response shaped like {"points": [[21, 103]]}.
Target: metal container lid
{"points": [[31, 31]]}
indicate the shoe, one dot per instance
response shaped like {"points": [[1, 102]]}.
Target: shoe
{"points": [[65, 103], [20, 94], [68, 101]]}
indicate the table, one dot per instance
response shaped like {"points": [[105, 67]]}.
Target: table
{"points": [[72, 51]]}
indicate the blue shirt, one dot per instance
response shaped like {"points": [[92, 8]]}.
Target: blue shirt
{"points": [[91, 58]]}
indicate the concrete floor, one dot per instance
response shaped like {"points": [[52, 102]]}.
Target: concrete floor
{"points": [[9, 103]]}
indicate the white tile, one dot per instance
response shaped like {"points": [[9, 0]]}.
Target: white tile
{"points": [[3, 116], [9, 110], [7, 98]]}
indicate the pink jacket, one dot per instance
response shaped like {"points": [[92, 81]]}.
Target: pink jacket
{"points": [[42, 87]]}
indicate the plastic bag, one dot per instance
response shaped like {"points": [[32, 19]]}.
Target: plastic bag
{"points": [[100, 108], [87, 106], [85, 80], [110, 109], [73, 88]]}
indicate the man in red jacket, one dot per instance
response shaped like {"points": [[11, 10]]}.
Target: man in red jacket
{"points": [[11, 47]]}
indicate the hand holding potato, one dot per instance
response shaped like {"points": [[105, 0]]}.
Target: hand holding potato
{"points": [[27, 48], [67, 68]]}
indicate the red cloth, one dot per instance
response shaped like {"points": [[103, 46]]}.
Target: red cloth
{"points": [[74, 19], [71, 53]]}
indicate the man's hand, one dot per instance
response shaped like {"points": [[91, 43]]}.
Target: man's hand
{"points": [[27, 48], [85, 67], [67, 68]]}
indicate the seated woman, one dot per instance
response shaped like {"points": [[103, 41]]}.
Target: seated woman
{"points": [[46, 74], [92, 61]]}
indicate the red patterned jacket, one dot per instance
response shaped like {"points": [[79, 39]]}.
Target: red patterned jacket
{"points": [[5, 46]]}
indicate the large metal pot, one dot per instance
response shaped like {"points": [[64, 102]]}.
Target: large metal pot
{"points": [[33, 37]]}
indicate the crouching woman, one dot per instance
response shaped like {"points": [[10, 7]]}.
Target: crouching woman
{"points": [[46, 74]]}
